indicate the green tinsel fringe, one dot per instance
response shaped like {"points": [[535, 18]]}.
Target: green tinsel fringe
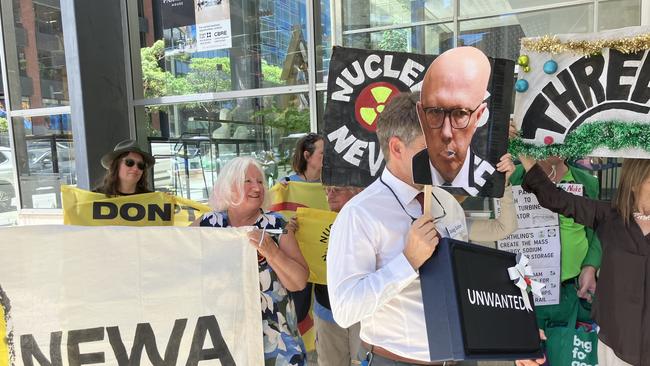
{"points": [[589, 136]]}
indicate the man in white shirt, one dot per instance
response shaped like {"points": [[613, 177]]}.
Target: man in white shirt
{"points": [[379, 241]]}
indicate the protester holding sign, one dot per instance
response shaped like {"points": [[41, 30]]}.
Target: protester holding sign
{"points": [[580, 251], [336, 346], [380, 239], [126, 170], [307, 165], [623, 227], [238, 199], [307, 159]]}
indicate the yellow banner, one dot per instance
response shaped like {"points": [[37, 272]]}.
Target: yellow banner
{"points": [[313, 235], [4, 347], [286, 198], [81, 207]]}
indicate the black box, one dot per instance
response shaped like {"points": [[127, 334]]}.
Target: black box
{"points": [[473, 310]]}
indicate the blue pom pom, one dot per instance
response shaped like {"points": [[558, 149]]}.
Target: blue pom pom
{"points": [[521, 85], [550, 67]]}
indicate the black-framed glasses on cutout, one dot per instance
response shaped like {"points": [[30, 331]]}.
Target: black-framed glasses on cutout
{"points": [[458, 117]]}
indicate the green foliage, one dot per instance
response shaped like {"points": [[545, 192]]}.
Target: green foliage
{"points": [[205, 75], [394, 40], [271, 74], [288, 120], [209, 74], [156, 81], [4, 125]]}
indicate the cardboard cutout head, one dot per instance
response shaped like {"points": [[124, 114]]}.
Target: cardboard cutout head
{"points": [[450, 109]]}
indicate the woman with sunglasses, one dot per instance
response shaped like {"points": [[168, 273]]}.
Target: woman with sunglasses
{"points": [[126, 170]]}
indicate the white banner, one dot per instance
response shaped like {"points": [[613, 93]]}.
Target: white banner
{"points": [[130, 296]]}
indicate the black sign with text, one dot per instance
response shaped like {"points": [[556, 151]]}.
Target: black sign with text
{"points": [[362, 82], [466, 289]]}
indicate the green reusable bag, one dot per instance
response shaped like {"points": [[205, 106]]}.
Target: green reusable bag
{"points": [[568, 346]]}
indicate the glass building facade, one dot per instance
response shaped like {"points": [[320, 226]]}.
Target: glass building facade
{"points": [[71, 90]]}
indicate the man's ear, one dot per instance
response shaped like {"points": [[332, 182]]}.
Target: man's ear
{"points": [[395, 146], [306, 154]]}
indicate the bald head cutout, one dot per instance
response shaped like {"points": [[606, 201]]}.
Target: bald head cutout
{"points": [[457, 79]]}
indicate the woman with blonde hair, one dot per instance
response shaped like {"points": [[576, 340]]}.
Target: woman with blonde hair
{"points": [[238, 199], [622, 304]]}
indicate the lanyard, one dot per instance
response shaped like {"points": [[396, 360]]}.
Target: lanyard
{"points": [[444, 213]]}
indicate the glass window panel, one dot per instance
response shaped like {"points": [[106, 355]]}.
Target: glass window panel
{"points": [[37, 42], [430, 39], [8, 201], [361, 14], [500, 36], [628, 13], [192, 142], [323, 38], [46, 161], [268, 47], [481, 7]]}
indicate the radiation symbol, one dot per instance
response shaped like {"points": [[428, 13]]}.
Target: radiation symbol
{"points": [[371, 102]]}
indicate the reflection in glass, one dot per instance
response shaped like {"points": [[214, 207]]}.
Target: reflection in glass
{"points": [[8, 202], [628, 13], [323, 38], [192, 142], [360, 14], [431, 39], [38, 44], [45, 155], [499, 36], [482, 7], [263, 44]]}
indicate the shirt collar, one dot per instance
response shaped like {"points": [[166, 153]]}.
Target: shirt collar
{"points": [[404, 192], [461, 180]]}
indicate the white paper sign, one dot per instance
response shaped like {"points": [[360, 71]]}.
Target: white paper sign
{"points": [[213, 36], [542, 247], [551, 293], [213, 30], [529, 212]]}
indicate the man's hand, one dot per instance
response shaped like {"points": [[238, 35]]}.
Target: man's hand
{"points": [[587, 283], [421, 241], [537, 362]]}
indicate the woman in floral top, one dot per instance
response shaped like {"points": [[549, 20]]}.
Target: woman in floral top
{"points": [[238, 197]]}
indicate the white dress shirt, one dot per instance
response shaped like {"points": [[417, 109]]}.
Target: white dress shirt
{"points": [[369, 278]]}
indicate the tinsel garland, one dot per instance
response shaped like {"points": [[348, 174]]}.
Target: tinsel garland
{"points": [[552, 45], [614, 135]]}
